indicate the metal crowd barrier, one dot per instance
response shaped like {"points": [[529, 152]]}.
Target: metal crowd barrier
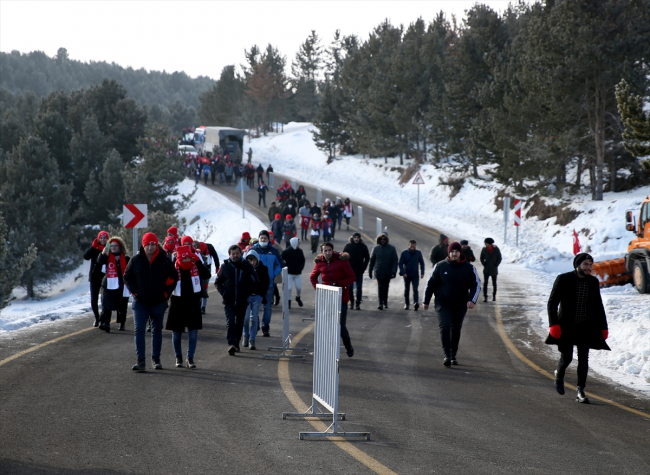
{"points": [[286, 336], [327, 349]]}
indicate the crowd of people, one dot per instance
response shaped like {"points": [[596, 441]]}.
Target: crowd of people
{"points": [[223, 169]]}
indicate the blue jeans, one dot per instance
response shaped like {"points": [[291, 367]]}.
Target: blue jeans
{"points": [[142, 313], [192, 336], [415, 282], [204, 301], [359, 287], [252, 320], [268, 309]]}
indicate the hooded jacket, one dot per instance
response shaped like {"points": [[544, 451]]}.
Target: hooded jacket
{"points": [[336, 272], [112, 299], [383, 260], [294, 259], [271, 258], [439, 251], [151, 283], [236, 281], [454, 283], [359, 255]]}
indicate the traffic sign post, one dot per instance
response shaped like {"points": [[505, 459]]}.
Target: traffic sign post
{"points": [[506, 210], [418, 181], [241, 186], [135, 216], [517, 219]]}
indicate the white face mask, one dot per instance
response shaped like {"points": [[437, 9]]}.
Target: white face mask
{"points": [[263, 244], [290, 206]]}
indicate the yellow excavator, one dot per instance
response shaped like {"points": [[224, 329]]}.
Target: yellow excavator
{"points": [[634, 268]]}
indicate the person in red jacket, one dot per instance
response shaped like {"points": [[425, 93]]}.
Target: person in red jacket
{"points": [[245, 240], [334, 269]]}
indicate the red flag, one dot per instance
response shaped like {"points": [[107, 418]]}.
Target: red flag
{"points": [[576, 244]]}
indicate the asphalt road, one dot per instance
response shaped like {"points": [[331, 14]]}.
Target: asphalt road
{"points": [[75, 406]]}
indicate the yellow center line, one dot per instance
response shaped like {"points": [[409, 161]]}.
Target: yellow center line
{"points": [[519, 354], [287, 387]]}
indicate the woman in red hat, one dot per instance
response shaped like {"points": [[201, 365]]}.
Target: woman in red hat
{"points": [[115, 296]]}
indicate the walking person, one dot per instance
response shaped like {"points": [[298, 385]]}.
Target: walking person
{"points": [[339, 209], [206, 173], [277, 226], [151, 277], [383, 261], [228, 170], [334, 269], [261, 192], [273, 210], [490, 258], [288, 230], [236, 281], [185, 309], [580, 321], [213, 171], [359, 259], [467, 251], [456, 286], [255, 300], [260, 174], [409, 262], [347, 213], [95, 275], [328, 228], [115, 296], [272, 259], [294, 259], [197, 174], [439, 251], [305, 219], [202, 250], [314, 234]]}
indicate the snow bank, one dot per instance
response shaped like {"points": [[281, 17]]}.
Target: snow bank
{"points": [[545, 248], [220, 223]]}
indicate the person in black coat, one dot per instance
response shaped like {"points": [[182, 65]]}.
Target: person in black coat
{"points": [[359, 259], [256, 299], [236, 281], [151, 277], [410, 262], [185, 308], [580, 321], [112, 262], [467, 251], [439, 251], [456, 286], [383, 261], [294, 258], [490, 258], [94, 274]]}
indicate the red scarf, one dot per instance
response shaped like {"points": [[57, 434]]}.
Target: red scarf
{"points": [[112, 277], [194, 272]]}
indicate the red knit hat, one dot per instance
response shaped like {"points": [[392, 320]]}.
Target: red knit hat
{"points": [[186, 240], [454, 246], [245, 236], [170, 243], [102, 233], [183, 252], [149, 238], [278, 216], [288, 217], [173, 230]]}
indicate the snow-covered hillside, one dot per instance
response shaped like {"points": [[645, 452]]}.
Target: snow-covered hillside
{"points": [[545, 248]]}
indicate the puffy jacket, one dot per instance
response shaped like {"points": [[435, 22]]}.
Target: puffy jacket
{"points": [[335, 272], [271, 258], [469, 254], [359, 255], [276, 228], [439, 251], [383, 260], [408, 263], [454, 283], [236, 281], [288, 230], [491, 261], [294, 260], [151, 283]]}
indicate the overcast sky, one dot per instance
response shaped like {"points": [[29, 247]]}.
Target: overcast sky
{"points": [[199, 38]]}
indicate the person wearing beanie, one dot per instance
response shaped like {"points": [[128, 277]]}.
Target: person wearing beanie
{"points": [[328, 228], [383, 261], [314, 234], [580, 321], [173, 232], [359, 259], [169, 246], [115, 297], [244, 241], [185, 307], [271, 258], [290, 208], [276, 226], [273, 210], [95, 275], [409, 262], [439, 251], [347, 212], [187, 241], [456, 286], [294, 258], [201, 249], [490, 259], [467, 251], [255, 300], [151, 278], [305, 219], [288, 230]]}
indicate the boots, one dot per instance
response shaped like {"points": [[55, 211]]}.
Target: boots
{"points": [[416, 307], [203, 310], [179, 361], [358, 307], [96, 324], [300, 304], [122, 327], [580, 395], [245, 341], [559, 384], [190, 363]]}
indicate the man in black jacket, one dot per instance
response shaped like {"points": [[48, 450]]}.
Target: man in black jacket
{"points": [[467, 251], [439, 251], [256, 299], [295, 260], [456, 286], [490, 258], [359, 259], [383, 261], [236, 281], [581, 321], [151, 278], [95, 275]]}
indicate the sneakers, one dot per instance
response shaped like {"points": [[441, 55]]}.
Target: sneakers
{"points": [[122, 327], [381, 307], [252, 345], [416, 307], [358, 307], [454, 361], [156, 363], [300, 304], [407, 307], [190, 363], [580, 396], [446, 361], [179, 361], [559, 384], [385, 306], [231, 350], [139, 366]]}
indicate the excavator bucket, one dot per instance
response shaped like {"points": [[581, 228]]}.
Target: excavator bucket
{"points": [[612, 272]]}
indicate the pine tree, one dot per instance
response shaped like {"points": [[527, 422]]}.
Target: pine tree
{"points": [[35, 205], [223, 104], [11, 272], [636, 137], [328, 122]]}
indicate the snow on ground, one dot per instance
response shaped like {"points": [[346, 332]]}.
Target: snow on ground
{"points": [[219, 222], [545, 248]]}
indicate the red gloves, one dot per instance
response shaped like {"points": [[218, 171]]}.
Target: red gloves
{"points": [[96, 244], [605, 334], [556, 331]]}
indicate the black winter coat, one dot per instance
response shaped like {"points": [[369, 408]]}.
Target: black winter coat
{"points": [[151, 283], [213, 253], [185, 311], [94, 273], [491, 261], [359, 255], [295, 260], [383, 260], [453, 283], [264, 281], [469, 254], [439, 252], [564, 295], [236, 282], [112, 299]]}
